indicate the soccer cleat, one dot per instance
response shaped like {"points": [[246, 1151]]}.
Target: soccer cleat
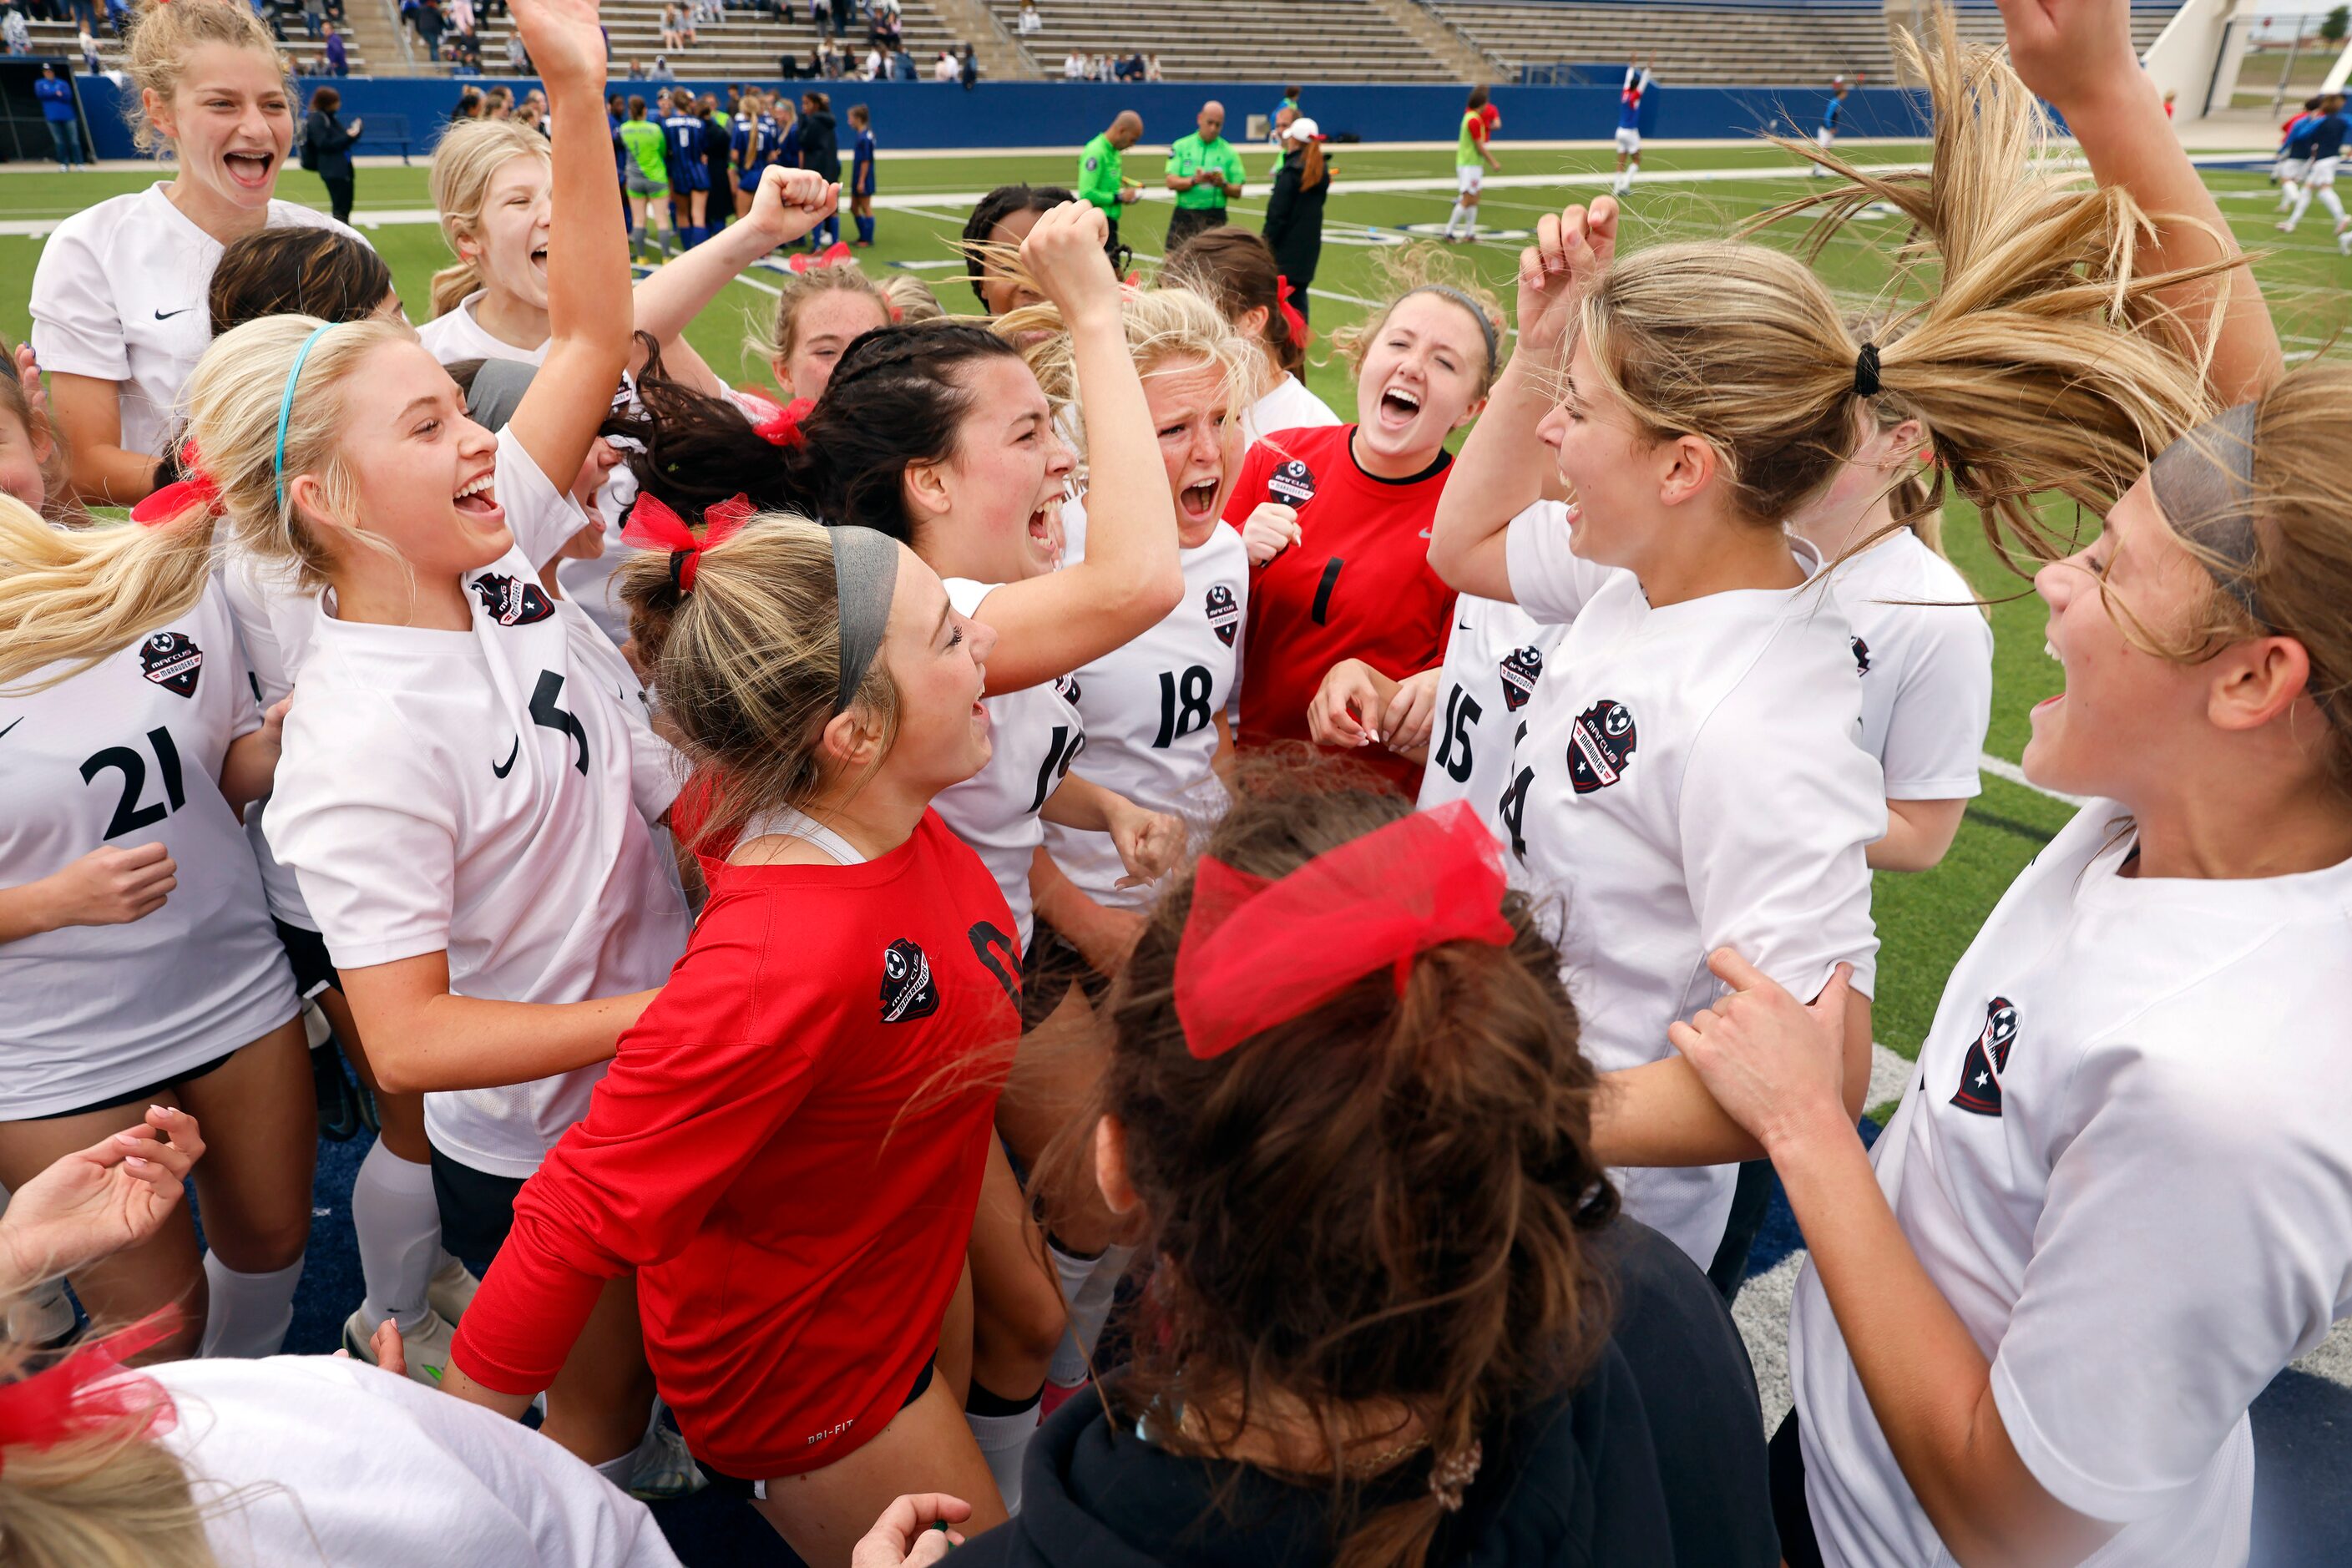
{"points": [[664, 1469], [424, 1347], [452, 1290]]}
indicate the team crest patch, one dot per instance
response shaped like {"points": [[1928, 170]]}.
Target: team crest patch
{"points": [[1225, 614], [1522, 666], [1988, 1058], [1861, 657], [173, 662], [1067, 685], [1293, 484], [1599, 746], [906, 989], [511, 601]]}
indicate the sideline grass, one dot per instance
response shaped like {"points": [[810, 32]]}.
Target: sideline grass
{"points": [[1924, 921]]}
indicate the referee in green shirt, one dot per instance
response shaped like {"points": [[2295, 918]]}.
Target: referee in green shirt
{"points": [[1099, 179], [1205, 171]]}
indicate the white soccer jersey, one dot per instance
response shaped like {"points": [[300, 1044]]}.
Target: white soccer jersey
{"points": [[1494, 660], [1150, 710], [2122, 1160], [119, 294], [126, 753], [1689, 780], [1923, 654], [1289, 406], [457, 334], [1035, 735], [267, 1445], [488, 793], [274, 618]]}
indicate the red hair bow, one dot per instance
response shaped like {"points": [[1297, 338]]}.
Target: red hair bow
{"points": [[782, 428], [1300, 334], [85, 1392], [193, 487], [1256, 953], [652, 525]]}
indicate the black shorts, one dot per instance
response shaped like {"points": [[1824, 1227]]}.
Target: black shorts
{"points": [[744, 1490], [307, 951], [1048, 970], [477, 1208], [144, 1096], [1790, 1515]]}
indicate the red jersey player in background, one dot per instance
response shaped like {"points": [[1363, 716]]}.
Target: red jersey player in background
{"points": [[1337, 522]]}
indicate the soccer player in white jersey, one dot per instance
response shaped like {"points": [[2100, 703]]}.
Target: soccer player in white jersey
{"points": [[491, 188], [2112, 1207], [1495, 658], [118, 302], [137, 961], [1922, 648], [497, 913], [1235, 269], [939, 435]]}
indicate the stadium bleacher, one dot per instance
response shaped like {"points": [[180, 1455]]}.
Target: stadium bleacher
{"points": [[59, 39], [1311, 40], [1776, 41]]}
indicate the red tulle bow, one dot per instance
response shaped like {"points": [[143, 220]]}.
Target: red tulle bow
{"points": [[1257, 953], [85, 1391], [782, 428], [1296, 322], [652, 525], [193, 487]]}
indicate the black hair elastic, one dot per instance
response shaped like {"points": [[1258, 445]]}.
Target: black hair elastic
{"points": [[1866, 372]]}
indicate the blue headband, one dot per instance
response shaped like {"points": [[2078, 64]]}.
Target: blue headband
{"points": [[286, 408]]}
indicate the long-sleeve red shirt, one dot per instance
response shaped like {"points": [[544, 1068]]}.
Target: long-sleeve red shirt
{"points": [[788, 1150], [1356, 586]]}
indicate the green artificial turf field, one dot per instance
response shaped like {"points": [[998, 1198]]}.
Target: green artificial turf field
{"points": [[1925, 920]]}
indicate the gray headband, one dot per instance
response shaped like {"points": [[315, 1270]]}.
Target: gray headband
{"points": [[865, 576], [2204, 483], [1486, 327], [497, 392]]}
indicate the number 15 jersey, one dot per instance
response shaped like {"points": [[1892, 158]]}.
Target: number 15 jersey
{"points": [[126, 753]]}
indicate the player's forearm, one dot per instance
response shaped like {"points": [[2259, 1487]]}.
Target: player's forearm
{"points": [[1918, 835], [1132, 569], [590, 313], [248, 769], [1080, 803], [2131, 146], [679, 289], [29, 909], [449, 1042]]}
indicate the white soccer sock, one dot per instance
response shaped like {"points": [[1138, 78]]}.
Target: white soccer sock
{"points": [[399, 1228], [250, 1312], [2287, 189], [2302, 204], [621, 1468], [1453, 218], [2327, 196], [1090, 1309], [1004, 1442], [1069, 1364]]}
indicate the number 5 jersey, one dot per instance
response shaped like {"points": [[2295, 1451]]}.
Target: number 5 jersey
{"points": [[491, 793], [126, 753]]}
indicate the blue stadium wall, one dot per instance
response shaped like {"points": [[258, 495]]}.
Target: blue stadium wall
{"points": [[913, 116]]}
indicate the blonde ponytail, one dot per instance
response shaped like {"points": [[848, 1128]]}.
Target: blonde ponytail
{"points": [[1168, 331], [467, 154], [77, 596]]}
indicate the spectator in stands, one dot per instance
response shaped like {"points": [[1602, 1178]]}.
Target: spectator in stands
{"points": [[877, 62], [944, 67], [672, 37], [661, 70], [57, 96], [339, 59], [902, 64], [968, 68], [430, 27], [836, 63], [18, 32], [1205, 173], [517, 56], [327, 149], [1031, 21], [883, 24], [841, 9], [461, 16], [88, 46], [1151, 68], [1100, 178], [1293, 213], [314, 12], [637, 71], [1073, 67]]}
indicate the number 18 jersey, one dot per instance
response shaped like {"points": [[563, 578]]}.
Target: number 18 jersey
{"points": [[1150, 708], [126, 753]]}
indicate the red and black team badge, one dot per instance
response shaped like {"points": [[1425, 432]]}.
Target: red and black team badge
{"points": [[511, 601], [1293, 484], [1224, 614], [173, 662], [1988, 1059], [1599, 745], [1522, 667], [1861, 657], [908, 992], [1067, 686]]}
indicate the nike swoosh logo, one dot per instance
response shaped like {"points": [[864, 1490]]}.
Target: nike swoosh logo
{"points": [[167, 315], [13, 723], [503, 769]]}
